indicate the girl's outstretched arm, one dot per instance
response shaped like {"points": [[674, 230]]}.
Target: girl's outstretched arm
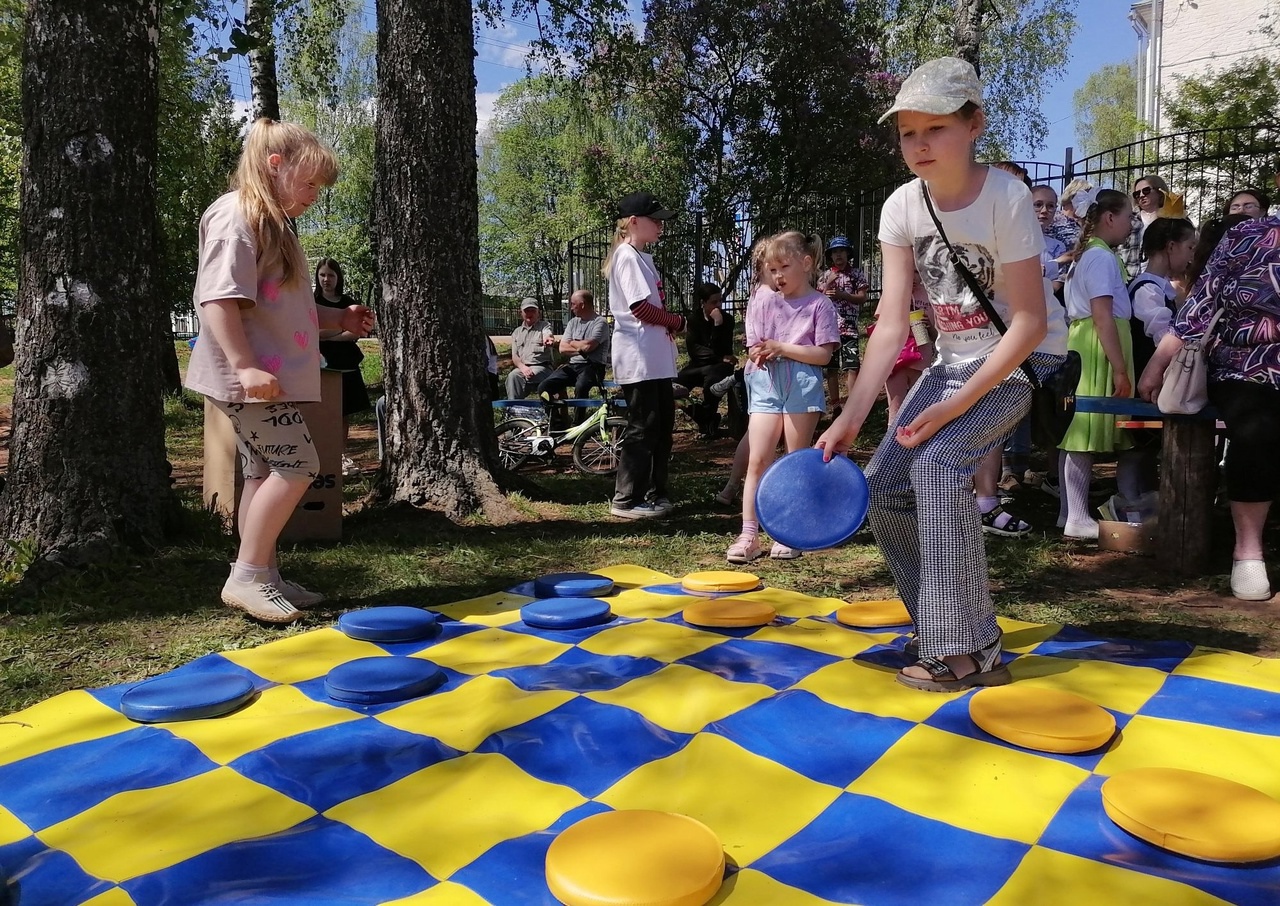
{"points": [[892, 325]]}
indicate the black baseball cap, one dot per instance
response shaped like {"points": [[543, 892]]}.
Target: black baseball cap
{"points": [[642, 204]]}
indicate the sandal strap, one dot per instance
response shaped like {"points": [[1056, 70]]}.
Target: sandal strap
{"points": [[937, 668]]}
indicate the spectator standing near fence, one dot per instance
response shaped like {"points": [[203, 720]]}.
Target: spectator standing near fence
{"points": [[644, 358], [846, 285], [531, 345]]}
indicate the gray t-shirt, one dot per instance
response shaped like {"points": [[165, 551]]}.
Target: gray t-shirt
{"points": [[528, 343], [593, 328]]}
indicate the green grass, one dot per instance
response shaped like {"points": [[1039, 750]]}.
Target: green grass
{"points": [[140, 616]]}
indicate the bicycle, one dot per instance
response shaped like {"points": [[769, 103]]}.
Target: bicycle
{"points": [[595, 440]]}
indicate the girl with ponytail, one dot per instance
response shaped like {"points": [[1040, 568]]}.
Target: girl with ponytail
{"points": [[1098, 309]]}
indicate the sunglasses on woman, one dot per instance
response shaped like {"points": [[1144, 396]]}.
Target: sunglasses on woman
{"points": [[1143, 192]]}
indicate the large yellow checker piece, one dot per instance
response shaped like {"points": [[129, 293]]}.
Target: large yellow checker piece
{"points": [[822, 779]]}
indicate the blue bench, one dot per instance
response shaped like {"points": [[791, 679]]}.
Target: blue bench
{"points": [[1188, 478]]}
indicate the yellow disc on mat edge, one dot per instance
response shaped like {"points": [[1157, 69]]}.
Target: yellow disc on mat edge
{"points": [[1195, 814], [873, 613], [719, 580], [729, 613], [635, 856], [1046, 720]]}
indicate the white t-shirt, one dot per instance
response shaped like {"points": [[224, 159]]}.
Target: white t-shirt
{"points": [[1151, 302], [641, 352], [1096, 273], [998, 227]]}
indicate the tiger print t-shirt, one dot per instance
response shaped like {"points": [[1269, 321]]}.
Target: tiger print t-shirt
{"points": [[998, 227]]}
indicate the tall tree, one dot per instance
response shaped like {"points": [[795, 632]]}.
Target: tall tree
{"points": [[1022, 49], [440, 440], [88, 316], [260, 32], [1243, 94], [1106, 109], [968, 31], [11, 18]]}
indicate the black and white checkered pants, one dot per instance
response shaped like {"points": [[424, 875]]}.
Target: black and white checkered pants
{"points": [[923, 512]]}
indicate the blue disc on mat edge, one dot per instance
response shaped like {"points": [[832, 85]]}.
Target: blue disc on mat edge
{"points": [[378, 680], [185, 696], [391, 623], [809, 504], [566, 613], [572, 585]]}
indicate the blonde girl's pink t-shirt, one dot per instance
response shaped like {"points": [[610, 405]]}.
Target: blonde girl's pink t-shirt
{"points": [[280, 322], [810, 320]]}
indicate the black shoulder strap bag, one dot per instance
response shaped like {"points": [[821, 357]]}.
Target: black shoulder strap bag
{"points": [[1053, 401]]}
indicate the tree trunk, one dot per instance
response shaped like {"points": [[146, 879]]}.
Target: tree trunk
{"points": [[260, 25], [87, 467], [968, 30], [440, 441]]}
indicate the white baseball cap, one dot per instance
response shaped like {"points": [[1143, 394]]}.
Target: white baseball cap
{"points": [[939, 87]]}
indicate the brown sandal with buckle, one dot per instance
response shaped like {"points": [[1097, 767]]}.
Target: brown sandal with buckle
{"points": [[988, 671]]}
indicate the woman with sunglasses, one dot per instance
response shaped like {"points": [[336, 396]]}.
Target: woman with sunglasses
{"points": [[1149, 194]]}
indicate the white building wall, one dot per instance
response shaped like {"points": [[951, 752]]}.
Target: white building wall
{"points": [[1191, 37]]}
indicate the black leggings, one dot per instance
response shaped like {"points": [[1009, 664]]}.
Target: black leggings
{"points": [[1251, 412]]}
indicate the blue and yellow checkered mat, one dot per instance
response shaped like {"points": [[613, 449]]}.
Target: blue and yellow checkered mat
{"points": [[826, 781]]}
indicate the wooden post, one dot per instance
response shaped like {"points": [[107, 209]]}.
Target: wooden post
{"points": [[1188, 482]]}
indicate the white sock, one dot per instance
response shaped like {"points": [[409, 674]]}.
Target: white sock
{"points": [[1076, 477], [248, 572], [987, 504]]}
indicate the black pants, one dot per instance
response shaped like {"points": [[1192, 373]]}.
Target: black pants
{"points": [[644, 453], [583, 376], [704, 376], [1252, 416]]}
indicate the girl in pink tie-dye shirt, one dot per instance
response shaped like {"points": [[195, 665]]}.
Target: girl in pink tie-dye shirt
{"points": [[257, 355]]}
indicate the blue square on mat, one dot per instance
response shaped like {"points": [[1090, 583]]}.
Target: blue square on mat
{"points": [[773, 664], [1202, 701], [954, 718], [317, 862], [577, 745], [52, 786], [580, 671], [39, 876], [209, 665], [1075, 643], [822, 742], [515, 870], [1081, 827], [864, 850], [323, 767]]}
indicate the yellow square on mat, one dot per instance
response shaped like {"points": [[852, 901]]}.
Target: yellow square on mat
{"points": [[751, 886], [499, 618], [491, 649], [142, 831], [792, 603], [479, 610], [303, 657], [1021, 636], [63, 720], [1047, 877], [871, 689], [666, 642], [446, 894], [1232, 667], [481, 800], [465, 716], [1120, 687], [967, 783], [647, 605], [11, 829], [681, 698], [277, 712], [752, 804], [628, 575], [1154, 742], [113, 897], [824, 636]]}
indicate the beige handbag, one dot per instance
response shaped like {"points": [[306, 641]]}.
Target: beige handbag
{"points": [[1185, 390]]}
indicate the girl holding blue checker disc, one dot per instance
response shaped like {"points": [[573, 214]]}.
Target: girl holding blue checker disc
{"points": [[969, 400], [258, 353], [792, 332]]}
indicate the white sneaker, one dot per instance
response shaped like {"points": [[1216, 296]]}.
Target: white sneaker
{"points": [[259, 599], [1081, 531], [780, 551], [298, 596], [1249, 580], [349, 468]]}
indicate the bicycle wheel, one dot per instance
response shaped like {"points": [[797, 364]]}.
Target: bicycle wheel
{"points": [[514, 448], [596, 452]]}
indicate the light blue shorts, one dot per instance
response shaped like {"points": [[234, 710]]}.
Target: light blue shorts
{"points": [[786, 386]]}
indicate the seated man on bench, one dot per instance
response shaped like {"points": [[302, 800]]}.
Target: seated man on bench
{"points": [[585, 343]]}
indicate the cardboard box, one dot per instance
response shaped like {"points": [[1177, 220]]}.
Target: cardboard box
{"points": [[319, 516], [1128, 537]]}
